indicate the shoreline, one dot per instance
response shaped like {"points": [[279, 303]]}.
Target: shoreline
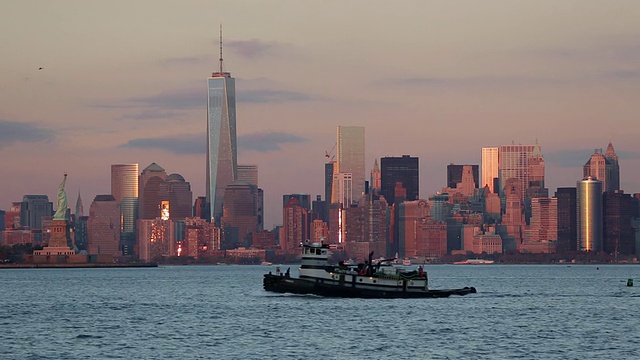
{"points": [[75, 266]]}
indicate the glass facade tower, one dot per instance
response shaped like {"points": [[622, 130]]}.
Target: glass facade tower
{"points": [[124, 188], [350, 151], [222, 150], [589, 217], [489, 168]]}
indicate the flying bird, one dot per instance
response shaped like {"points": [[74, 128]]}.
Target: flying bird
{"points": [[40, 68]]}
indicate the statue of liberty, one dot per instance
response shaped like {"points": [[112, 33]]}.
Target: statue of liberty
{"points": [[61, 212]]}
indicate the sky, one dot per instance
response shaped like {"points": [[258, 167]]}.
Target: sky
{"points": [[125, 82]]}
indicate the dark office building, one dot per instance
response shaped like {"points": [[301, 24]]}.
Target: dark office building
{"points": [[304, 200], [320, 207], [618, 212], [328, 188], [454, 175], [399, 170], [80, 232], [567, 221], [33, 209]]}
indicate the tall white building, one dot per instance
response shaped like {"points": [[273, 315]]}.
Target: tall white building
{"points": [[489, 167], [350, 154]]}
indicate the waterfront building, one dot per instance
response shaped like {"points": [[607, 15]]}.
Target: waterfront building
{"points": [[589, 218], [403, 170], [618, 214], [567, 223], [103, 226], [201, 238], [350, 157], [124, 188], [295, 219], [542, 234], [319, 231], [408, 215], [149, 187], [265, 239], [2, 224], [156, 239], [240, 214], [490, 166], [222, 149]]}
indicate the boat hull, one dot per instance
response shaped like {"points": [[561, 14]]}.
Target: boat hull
{"points": [[285, 284]]}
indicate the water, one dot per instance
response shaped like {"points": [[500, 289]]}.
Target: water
{"points": [[221, 312]]}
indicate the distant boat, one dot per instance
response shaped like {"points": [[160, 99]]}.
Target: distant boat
{"points": [[266, 263], [406, 262], [474, 262]]}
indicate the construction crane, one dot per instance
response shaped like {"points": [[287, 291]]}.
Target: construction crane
{"points": [[329, 154]]}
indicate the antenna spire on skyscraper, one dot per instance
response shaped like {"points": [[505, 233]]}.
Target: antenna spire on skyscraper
{"points": [[221, 49]]}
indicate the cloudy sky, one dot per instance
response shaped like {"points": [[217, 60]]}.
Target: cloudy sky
{"points": [[125, 82]]}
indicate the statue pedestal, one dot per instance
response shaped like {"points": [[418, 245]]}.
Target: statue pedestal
{"points": [[58, 241]]}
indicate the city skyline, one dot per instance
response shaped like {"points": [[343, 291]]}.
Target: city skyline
{"points": [[497, 76]]}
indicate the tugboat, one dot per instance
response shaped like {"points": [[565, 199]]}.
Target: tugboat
{"points": [[368, 280]]}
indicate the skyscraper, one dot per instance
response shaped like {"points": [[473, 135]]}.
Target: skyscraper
{"points": [[222, 151], [604, 167], [149, 186], [350, 151], [402, 170], [124, 188], [567, 228], [342, 189], [454, 175], [618, 213], [610, 154], [33, 208], [522, 162], [376, 178], [489, 168], [589, 218], [178, 193], [240, 218], [304, 200], [79, 208], [248, 174], [103, 230]]}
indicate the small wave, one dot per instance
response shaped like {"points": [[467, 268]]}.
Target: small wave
{"points": [[87, 336]]}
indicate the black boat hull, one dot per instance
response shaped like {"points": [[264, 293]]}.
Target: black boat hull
{"points": [[285, 284]]}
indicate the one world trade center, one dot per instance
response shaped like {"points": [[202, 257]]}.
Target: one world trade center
{"points": [[222, 149]]}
